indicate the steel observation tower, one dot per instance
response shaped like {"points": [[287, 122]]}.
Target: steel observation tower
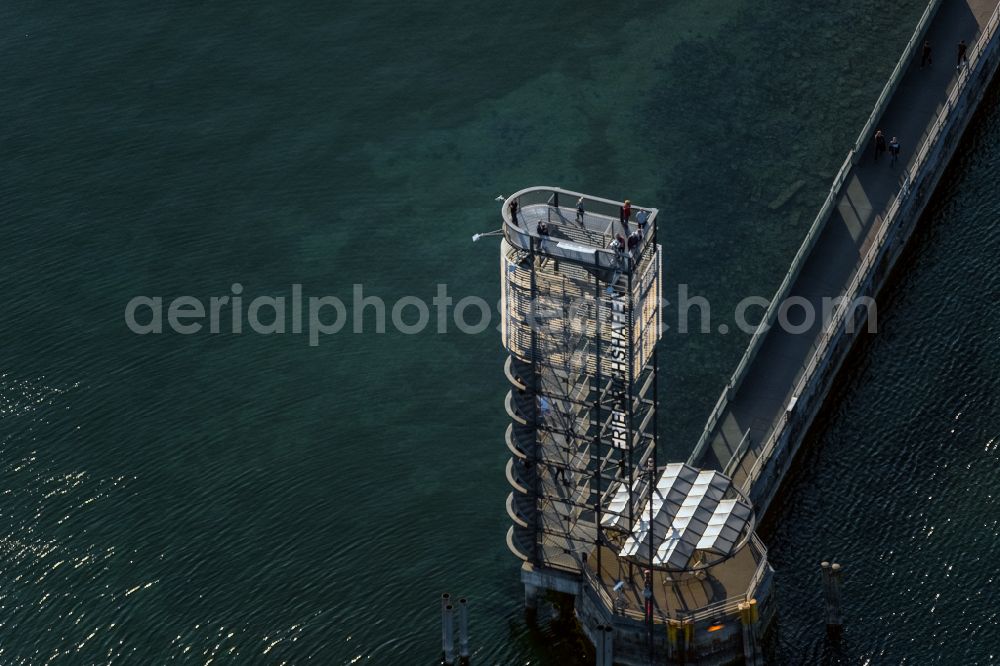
{"points": [[643, 546]]}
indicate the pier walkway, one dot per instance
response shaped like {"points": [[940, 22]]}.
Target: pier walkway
{"points": [[764, 388]]}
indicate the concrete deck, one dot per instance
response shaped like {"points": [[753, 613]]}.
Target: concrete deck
{"points": [[759, 403]]}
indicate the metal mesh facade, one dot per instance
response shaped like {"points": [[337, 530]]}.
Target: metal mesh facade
{"points": [[581, 318]]}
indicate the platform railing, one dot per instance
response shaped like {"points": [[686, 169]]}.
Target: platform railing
{"points": [[804, 389], [762, 567], [730, 606], [558, 198], [723, 607]]}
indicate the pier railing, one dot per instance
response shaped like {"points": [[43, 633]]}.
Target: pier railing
{"points": [[817, 227], [913, 190], [772, 309], [734, 460], [897, 74]]}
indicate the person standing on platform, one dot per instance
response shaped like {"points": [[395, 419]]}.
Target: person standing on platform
{"points": [[579, 210], [925, 58], [633, 241], [879, 144], [624, 213], [542, 229], [617, 245], [641, 218], [513, 212], [961, 54], [894, 151]]}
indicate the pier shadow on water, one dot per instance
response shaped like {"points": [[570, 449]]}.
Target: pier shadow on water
{"points": [[896, 478]]}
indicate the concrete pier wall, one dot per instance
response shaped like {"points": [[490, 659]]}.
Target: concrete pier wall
{"points": [[876, 265], [759, 420]]}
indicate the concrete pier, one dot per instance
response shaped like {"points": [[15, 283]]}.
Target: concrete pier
{"points": [[764, 411], [591, 508]]}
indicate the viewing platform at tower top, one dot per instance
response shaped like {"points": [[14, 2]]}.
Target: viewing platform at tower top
{"points": [[576, 227]]}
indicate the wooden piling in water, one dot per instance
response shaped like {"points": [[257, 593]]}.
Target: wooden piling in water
{"points": [[463, 630], [599, 638], [831, 595], [749, 618], [609, 645], [448, 640], [445, 600]]}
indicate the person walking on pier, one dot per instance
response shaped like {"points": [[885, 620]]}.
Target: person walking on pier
{"points": [[961, 55], [894, 151], [579, 210], [925, 58], [879, 144]]}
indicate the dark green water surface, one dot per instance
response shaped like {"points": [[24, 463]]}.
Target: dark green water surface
{"points": [[246, 498]]}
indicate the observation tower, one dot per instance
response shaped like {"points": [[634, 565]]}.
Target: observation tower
{"points": [[661, 558]]}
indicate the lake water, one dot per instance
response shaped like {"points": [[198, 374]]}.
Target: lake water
{"points": [[254, 499]]}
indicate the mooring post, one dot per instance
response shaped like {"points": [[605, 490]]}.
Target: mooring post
{"points": [[745, 627], [448, 646], [609, 645], [838, 616], [824, 568], [755, 629], [463, 630], [445, 600], [831, 594], [530, 601], [672, 651], [599, 637], [748, 620], [689, 648]]}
